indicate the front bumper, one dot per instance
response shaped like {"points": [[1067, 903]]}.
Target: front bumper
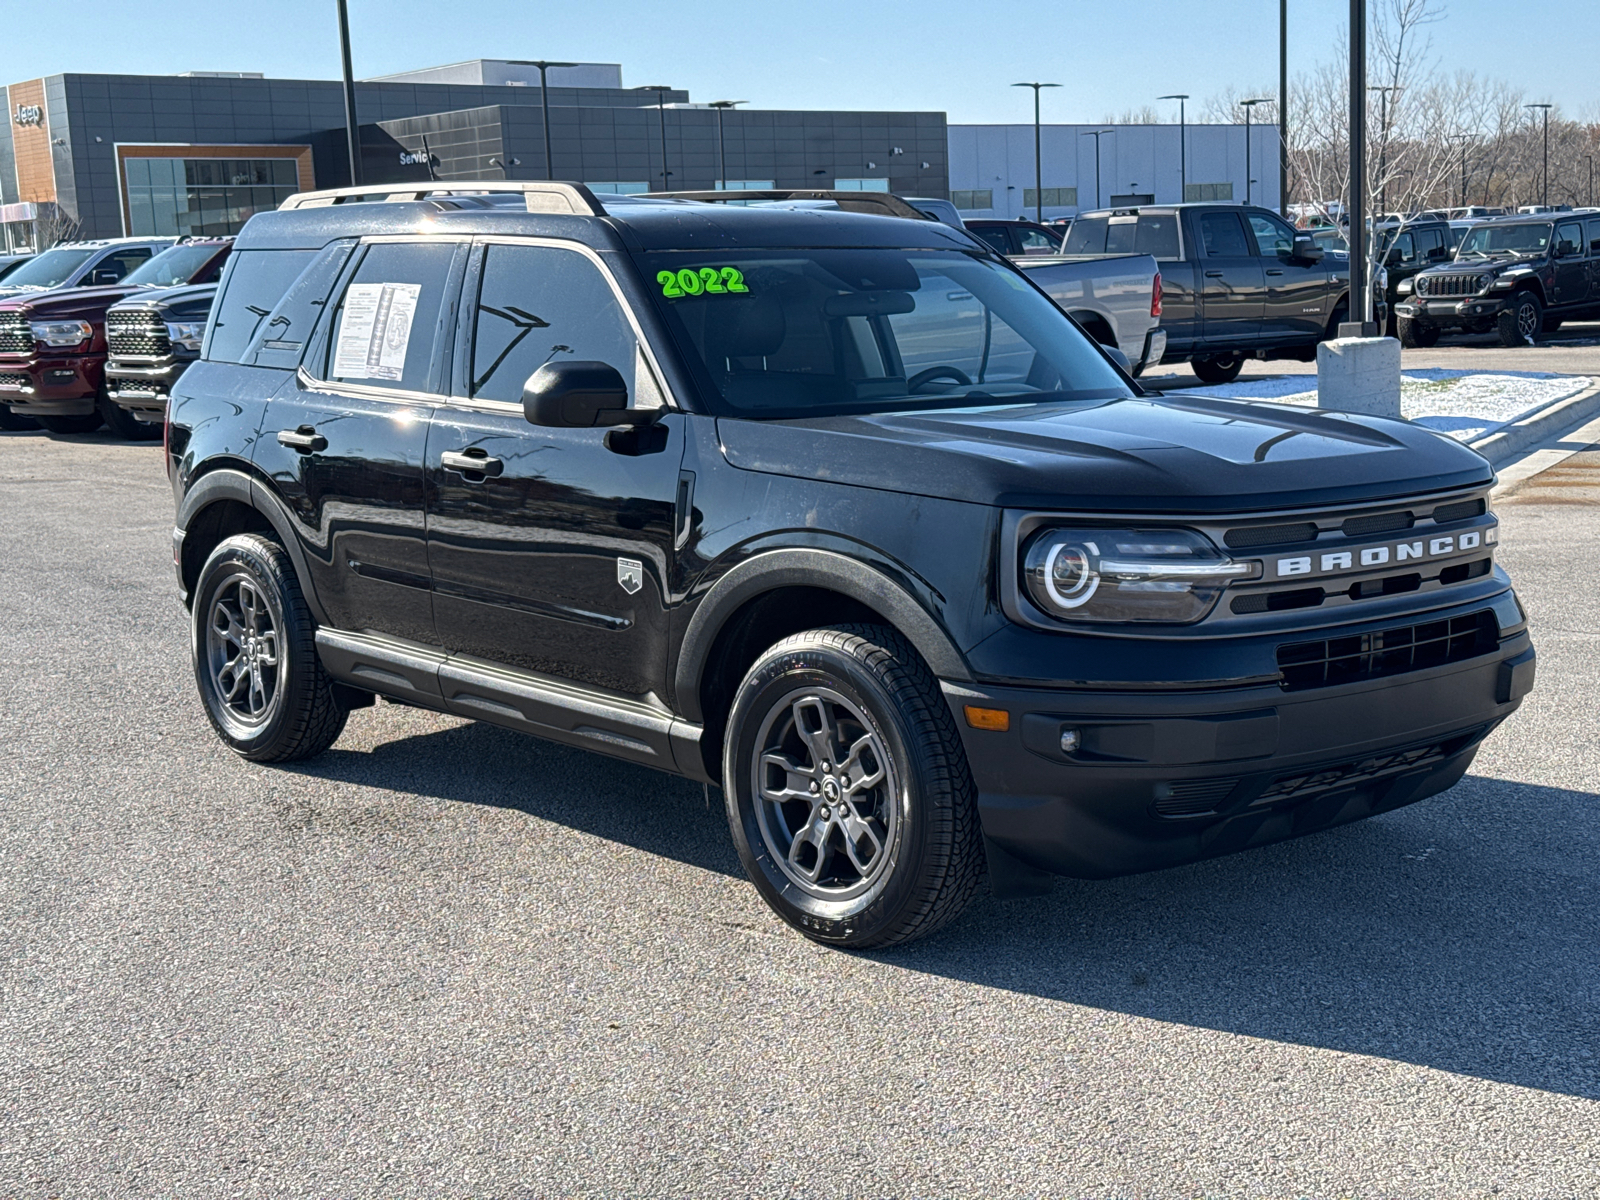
{"points": [[1450, 312], [142, 387], [1164, 778], [57, 385]]}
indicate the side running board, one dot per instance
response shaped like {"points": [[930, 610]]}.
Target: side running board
{"points": [[542, 705]]}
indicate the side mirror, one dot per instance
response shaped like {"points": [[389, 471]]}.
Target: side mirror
{"points": [[579, 395], [1566, 250], [1307, 250], [1392, 259], [1118, 357], [102, 276]]}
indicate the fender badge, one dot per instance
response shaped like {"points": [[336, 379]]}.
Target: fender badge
{"points": [[630, 574]]}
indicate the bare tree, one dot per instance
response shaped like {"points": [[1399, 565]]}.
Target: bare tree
{"points": [[52, 225], [1144, 115]]}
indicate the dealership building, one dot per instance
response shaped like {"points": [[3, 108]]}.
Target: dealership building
{"points": [[108, 155]]}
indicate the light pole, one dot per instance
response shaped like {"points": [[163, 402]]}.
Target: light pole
{"points": [[1038, 164], [1183, 146], [544, 103], [1249, 107], [723, 106], [1465, 139], [1545, 187], [1590, 159], [661, 91], [1361, 312], [1096, 135], [1283, 109], [352, 139], [1383, 147]]}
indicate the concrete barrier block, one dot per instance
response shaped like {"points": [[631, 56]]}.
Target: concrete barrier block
{"points": [[1360, 375]]}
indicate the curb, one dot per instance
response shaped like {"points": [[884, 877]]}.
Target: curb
{"points": [[1512, 475], [1505, 443]]}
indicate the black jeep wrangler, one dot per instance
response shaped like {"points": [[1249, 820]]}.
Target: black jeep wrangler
{"points": [[1518, 276], [835, 511]]}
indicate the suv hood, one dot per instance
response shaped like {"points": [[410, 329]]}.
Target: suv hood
{"points": [[186, 301], [87, 303], [1147, 454]]}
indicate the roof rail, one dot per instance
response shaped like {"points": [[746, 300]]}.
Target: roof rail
{"points": [[877, 203], [540, 197]]}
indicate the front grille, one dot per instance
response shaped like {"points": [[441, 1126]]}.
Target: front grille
{"points": [[13, 382], [1306, 665], [1349, 774], [1378, 523], [1461, 510], [1192, 797], [1270, 535], [136, 333], [15, 336], [1450, 285]]}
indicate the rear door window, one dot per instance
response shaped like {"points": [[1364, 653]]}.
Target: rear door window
{"points": [[1594, 235], [1223, 235], [1158, 235], [387, 323], [254, 283]]}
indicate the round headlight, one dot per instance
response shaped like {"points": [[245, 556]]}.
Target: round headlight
{"points": [[1169, 575]]}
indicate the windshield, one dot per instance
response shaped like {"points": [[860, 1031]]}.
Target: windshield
{"points": [[1505, 239], [172, 266], [50, 269], [792, 333]]}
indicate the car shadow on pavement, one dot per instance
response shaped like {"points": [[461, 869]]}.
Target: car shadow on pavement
{"points": [[1462, 934]]}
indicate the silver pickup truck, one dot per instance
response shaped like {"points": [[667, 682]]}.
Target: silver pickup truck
{"points": [[1116, 300]]}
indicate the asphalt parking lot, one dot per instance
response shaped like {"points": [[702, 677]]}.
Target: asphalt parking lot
{"points": [[445, 960]]}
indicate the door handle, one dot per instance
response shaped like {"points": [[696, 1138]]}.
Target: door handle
{"points": [[305, 439], [1274, 271], [1213, 274], [473, 461]]}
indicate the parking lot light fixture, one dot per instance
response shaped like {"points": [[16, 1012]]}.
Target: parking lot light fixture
{"points": [[1544, 200], [723, 106], [1183, 144], [1096, 134], [1038, 165], [1249, 107], [661, 91], [352, 139], [544, 102]]}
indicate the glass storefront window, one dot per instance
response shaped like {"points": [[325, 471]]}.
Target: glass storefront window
{"points": [[211, 196]]}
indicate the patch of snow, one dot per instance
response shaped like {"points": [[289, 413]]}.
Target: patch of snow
{"points": [[1461, 404]]}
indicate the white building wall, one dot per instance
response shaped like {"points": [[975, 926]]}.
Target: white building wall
{"points": [[1133, 159]]}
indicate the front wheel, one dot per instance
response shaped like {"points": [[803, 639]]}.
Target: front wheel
{"points": [[122, 422], [255, 655], [1520, 320], [12, 423], [1415, 334], [848, 790], [1221, 368]]}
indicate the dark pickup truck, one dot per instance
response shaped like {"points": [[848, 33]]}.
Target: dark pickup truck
{"points": [[1237, 281]]}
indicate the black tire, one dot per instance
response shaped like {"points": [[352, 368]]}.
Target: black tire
{"points": [[1520, 320], [884, 869], [1551, 324], [122, 422], [302, 715], [71, 425], [1417, 335], [12, 423], [1341, 314], [1219, 368]]}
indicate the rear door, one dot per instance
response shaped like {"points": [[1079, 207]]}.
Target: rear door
{"points": [[1572, 266], [1232, 282], [343, 441], [1296, 307], [1592, 229], [550, 549]]}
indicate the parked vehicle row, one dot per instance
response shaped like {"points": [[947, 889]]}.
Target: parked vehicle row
{"points": [[90, 336]]}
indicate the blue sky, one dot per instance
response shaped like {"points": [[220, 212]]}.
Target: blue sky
{"points": [[1110, 55]]}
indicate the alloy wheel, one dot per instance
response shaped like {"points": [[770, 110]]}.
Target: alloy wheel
{"points": [[1527, 319], [242, 648], [827, 794]]}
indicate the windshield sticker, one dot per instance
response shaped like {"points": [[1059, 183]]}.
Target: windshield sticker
{"points": [[375, 330], [712, 281]]}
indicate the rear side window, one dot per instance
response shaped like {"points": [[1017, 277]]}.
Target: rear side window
{"points": [[1594, 235], [283, 335], [1087, 236], [1223, 235], [388, 318], [540, 304], [1158, 235], [255, 281]]}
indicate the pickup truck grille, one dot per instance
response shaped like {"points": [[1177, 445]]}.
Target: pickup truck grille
{"points": [[15, 336], [137, 333], [1451, 285], [12, 383], [1328, 663]]}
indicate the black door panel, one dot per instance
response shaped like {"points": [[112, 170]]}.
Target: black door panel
{"points": [[1295, 308], [1233, 287]]}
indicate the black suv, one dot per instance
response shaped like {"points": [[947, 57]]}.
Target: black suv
{"points": [[1517, 276], [1409, 248], [835, 511]]}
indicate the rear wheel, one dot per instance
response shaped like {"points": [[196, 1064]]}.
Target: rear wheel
{"points": [[70, 425], [848, 790], [1520, 320], [1220, 368], [255, 655], [12, 422], [122, 422], [1416, 334]]}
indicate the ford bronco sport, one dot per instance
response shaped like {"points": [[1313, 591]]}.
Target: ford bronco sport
{"points": [[835, 511]]}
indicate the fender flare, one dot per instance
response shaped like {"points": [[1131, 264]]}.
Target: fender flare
{"points": [[228, 483], [805, 567]]}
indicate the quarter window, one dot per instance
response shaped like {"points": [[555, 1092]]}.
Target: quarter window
{"points": [[388, 318], [540, 304], [255, 281]]}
